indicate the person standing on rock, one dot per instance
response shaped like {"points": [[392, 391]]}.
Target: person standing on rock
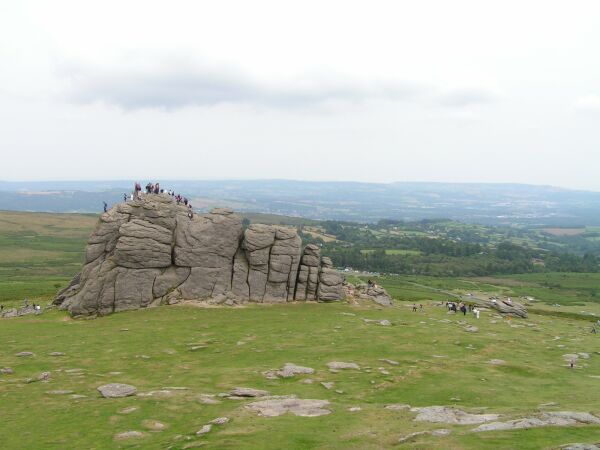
{"points": [[125, 197], [105, 206]]}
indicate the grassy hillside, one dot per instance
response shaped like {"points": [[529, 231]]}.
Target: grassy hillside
{"points": [[40, 252], [439, 363]]}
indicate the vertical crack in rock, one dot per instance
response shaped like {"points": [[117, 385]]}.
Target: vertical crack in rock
{"points": [[148, 251]]}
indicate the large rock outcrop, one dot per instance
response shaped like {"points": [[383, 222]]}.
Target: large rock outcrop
{"points": [[149, 252]]}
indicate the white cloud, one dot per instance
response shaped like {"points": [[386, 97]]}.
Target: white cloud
{"points": [[588, 103]]}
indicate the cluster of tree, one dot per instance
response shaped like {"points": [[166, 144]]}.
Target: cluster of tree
{"points": [[457, 252]]}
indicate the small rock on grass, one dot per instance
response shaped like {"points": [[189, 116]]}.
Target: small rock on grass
{"points": [[336, 365], [44, 377], [247, 392], [116, 390], [22, 354], [219, 421], [397, 406], [496, 362], [389, 361], [56, 354], [6, 371], [296, 406], [153, 425], [328, 384], [128, 410], [129, 435], [204, 430], [59, 392]]}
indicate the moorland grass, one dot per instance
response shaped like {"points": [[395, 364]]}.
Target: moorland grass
{"points": [[440, 364]]}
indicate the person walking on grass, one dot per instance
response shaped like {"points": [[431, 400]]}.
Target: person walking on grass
{"points": [[463, 309], [414, 307]]}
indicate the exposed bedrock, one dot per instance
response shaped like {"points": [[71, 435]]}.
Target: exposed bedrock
{"points": [[149, 252]]}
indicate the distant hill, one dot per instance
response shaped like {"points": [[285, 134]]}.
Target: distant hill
{"points": [[362, 202]]}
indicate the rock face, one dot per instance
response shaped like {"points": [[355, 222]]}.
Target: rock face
{"points": [[365, 291], [149, 252]]}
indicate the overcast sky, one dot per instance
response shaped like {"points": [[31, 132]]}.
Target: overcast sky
{"points": [[465, 91]]}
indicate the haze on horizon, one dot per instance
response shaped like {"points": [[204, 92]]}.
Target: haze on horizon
{"points": [[378, 91]]}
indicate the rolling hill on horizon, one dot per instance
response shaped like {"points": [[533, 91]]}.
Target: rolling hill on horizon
{"points": [[493, 204]]}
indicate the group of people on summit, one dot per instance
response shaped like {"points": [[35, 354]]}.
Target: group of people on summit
{"points": [[154, 188]]}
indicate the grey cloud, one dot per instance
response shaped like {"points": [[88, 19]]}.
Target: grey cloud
{"points": [[181, 86]]}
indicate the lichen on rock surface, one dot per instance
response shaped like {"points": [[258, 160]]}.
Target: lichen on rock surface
{"points": [[148, 252]]}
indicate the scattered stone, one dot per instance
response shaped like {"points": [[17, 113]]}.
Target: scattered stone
{"points": [[390, 361], [441, 432], [195, 348], [6, 371], [77, 396], [154, 425], [288, 371], [471, 329], [298, 407], [22, 354], [247, 392], [580, 446], [450, 415], [411, 436], [129, 410], [204, 430], [339, 391], [208, 399], [56, 354], [383, 322], [559, 418], [355, 409], [129, 435], [219, 421], [397, 406], [496, 362], [44, 377], [328, 384], [545, 405], [162, 393], [59, 392], [584, 355], [307, 381], [116, 390], [337, 365]]}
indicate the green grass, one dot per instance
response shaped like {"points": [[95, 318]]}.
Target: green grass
{"points": [[244, 342]]}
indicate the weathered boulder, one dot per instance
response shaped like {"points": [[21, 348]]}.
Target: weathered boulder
{"points": [[149, 252], [508, 308]]}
